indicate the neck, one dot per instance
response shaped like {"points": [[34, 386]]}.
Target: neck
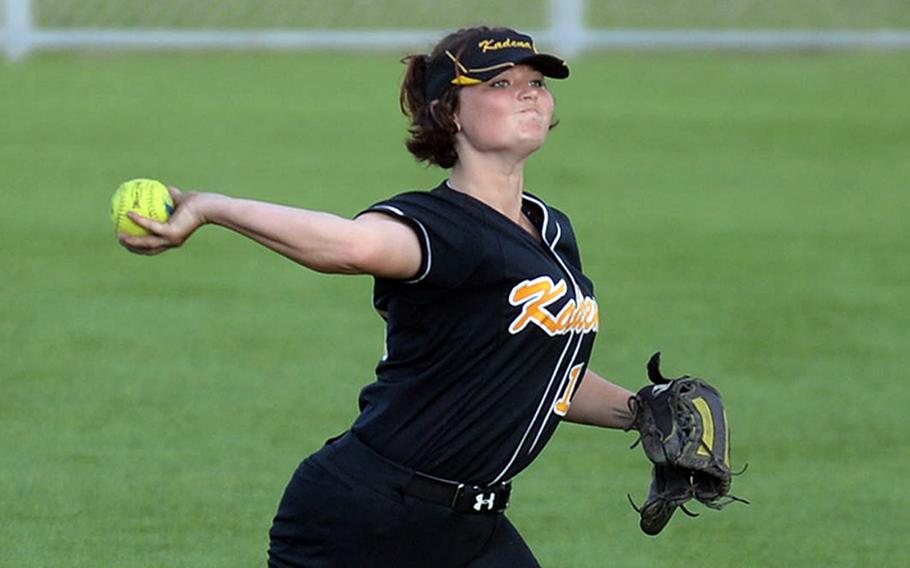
{"points": [[493, 182]]}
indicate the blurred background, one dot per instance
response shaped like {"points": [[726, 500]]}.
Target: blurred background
{"points": [[736, 173]]}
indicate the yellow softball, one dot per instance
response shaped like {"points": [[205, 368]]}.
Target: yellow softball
{"points": [[147, 197]]}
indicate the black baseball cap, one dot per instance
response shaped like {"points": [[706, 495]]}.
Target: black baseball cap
{"points": [[485, 56]]}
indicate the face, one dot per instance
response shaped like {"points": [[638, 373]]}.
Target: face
{"points": [[510, 113]]}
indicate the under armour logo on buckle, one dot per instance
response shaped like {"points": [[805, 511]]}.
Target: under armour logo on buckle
{"points": [[480, 502]]}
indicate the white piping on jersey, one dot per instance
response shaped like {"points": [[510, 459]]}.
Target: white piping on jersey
{"points": [[536, 413], [546, 218], [564, 381], [552, 247], [426, 240], [578, 300]]}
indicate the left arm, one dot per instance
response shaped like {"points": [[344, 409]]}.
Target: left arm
{"points": [[599, 402]]}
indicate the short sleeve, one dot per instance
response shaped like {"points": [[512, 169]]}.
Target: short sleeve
{"points": [[445, 233]]}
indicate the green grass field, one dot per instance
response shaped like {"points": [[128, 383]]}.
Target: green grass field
{"points": [[526, 14], [745, 214]]}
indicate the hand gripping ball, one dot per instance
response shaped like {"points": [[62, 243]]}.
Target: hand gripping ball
{"points": [[147, 197]]}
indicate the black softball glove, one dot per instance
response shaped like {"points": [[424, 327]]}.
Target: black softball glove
{"points": [[683, 429]]}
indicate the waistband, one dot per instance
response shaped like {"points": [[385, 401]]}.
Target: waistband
{"points": [[357, 460]]}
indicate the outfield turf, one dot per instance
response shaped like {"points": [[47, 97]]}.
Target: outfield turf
{"points": [[745, 214], [421, 14]]}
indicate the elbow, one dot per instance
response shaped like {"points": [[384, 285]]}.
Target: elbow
{"points": [[349, 251], [385, 250], [375, 257], [354, 257]]}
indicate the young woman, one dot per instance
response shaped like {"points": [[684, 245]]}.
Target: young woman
{"points": [[490, 324]]}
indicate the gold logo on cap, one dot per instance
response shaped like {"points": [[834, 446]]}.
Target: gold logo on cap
{"points": [[490, 45]]}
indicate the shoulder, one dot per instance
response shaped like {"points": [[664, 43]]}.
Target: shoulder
{"points": [[425, 202], [444, 231]]}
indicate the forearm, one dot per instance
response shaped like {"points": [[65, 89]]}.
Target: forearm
{"points": [[373, 243], [320, 241], [599, 402]]}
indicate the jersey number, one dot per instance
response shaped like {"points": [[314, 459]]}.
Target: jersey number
{"points": [[565, 401]]}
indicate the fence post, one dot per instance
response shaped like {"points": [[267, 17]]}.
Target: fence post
{"points": [[567, 26], [18, 28]]}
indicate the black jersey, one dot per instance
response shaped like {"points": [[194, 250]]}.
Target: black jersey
{"points": [[485, 346]]}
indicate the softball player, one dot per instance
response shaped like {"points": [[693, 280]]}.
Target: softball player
{"points": [[490, 324]]}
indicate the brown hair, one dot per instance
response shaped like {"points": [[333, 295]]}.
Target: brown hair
{"points": [[433, 128]]}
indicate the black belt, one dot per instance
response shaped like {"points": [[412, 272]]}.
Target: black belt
{"points": [[350, 455], [461, 497]]}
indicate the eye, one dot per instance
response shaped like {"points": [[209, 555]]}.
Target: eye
{"points": [[538, 83], [500, 84]]}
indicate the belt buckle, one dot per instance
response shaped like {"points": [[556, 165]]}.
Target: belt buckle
{"points": [[491, 499]]}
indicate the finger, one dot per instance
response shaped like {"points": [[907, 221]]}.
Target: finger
{"points": [[176, 194], [143, 242], [145, 252], [142, 250], [151, 225]]}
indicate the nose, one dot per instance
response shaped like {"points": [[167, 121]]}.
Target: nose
{"points": [[527, 92]]}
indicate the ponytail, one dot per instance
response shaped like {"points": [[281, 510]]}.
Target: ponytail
{"points": [[412, 87], [432, 130]]}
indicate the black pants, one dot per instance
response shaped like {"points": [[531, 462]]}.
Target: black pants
{"points": [[345, 507]]}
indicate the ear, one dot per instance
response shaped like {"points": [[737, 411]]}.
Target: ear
{"points": [[454, 115]]}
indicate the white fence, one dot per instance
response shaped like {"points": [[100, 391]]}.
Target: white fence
{"points": [[564, 24]]}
